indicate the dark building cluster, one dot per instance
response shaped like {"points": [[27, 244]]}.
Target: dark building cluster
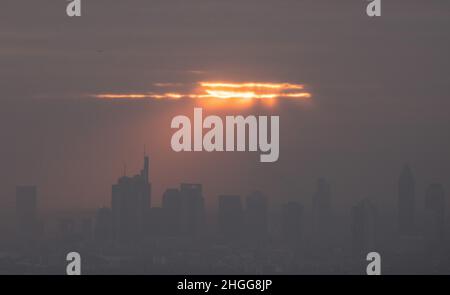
{"points": [[245, 236]]}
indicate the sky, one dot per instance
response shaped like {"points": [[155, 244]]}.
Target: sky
{"points": [[379, 86]]}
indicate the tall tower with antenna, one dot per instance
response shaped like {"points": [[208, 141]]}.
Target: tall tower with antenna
{"points": [[145, 171], [130, 203]]}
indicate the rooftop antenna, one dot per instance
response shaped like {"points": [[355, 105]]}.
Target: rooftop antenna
{"points": [[124, 169]]}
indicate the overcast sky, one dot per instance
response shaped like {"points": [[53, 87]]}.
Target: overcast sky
{"points": [[380, 94]]}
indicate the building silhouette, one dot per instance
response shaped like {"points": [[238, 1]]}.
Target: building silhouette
{"points": [[193, 209], [435, 214], [406, 202], [230, 217], [130, 203], [183, 212], [364, 227], [26, 213], [172, 205], [256, 216]]}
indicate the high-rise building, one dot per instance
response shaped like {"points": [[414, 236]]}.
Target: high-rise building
{"points": [[406, 202], [256, 216], [172, 206], [364, 227], [230, 216], [183, 210], [26, 212], [435, 214], [130, 205], [193, 208]]}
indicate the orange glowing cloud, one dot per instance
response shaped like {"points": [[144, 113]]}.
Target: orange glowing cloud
{"points": [[251, 85], [243, 93]]}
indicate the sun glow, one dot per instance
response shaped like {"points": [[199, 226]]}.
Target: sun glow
{"points": [[218, 93], [251, 85]]}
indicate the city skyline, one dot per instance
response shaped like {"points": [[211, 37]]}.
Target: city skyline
{"points": [[88, 106], [241, 221]]}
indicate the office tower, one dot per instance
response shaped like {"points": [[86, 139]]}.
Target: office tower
{"points": [[321, 203], [193, 214], [172, 207], [364, 227], [103, 225], [406, 202], [26, 212], [230, 216], [291, 223], [435, 214], [256, 216], [130, 205]]}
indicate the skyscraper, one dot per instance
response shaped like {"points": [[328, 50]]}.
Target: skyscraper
{"points": [[406, 202], [364, 227], [130, 203], [193, 208], [435, 214], [26, 212], [256, 216], [230, 216], [172, 207]]}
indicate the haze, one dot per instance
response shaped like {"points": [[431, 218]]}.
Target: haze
{"points": [[380, 96]]}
